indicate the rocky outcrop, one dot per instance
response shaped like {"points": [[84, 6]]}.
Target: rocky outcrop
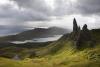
{"points": [[84, 34], [75, 26], [82, 38], [76, 30]]}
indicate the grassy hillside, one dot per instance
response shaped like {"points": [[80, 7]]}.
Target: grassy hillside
{"points": [[9, 50], [65, 57], [61, 53]]}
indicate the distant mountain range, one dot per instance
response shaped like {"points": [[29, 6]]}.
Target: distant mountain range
{"points": [[35, 33]]}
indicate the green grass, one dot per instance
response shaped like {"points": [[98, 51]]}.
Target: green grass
{"points": [[64, 57]]}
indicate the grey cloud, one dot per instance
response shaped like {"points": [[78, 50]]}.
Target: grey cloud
{"points": [[63, 7], [88, 6], [7, 12], [39, 6], [38, 10], [83, 7], [15, 19], [9, 30]]}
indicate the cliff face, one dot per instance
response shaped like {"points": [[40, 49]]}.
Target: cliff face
{"points": [[81, 38]]}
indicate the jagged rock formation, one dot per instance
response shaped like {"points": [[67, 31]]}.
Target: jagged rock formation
{"points": [[84, 38], [85, 33], [75, 26], [76, 30], [81, 38]]}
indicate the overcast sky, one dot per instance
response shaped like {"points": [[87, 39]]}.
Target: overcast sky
{"points": [[19, 15]]}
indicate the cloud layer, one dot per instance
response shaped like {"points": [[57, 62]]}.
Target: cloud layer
{"points": [[88, 6], [17, 14]]}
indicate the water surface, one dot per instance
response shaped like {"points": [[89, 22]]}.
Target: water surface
{"points": [[54, 38]]}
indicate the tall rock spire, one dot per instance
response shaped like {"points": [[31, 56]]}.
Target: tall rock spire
{"points": [[76, 30], [75, 26]]}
